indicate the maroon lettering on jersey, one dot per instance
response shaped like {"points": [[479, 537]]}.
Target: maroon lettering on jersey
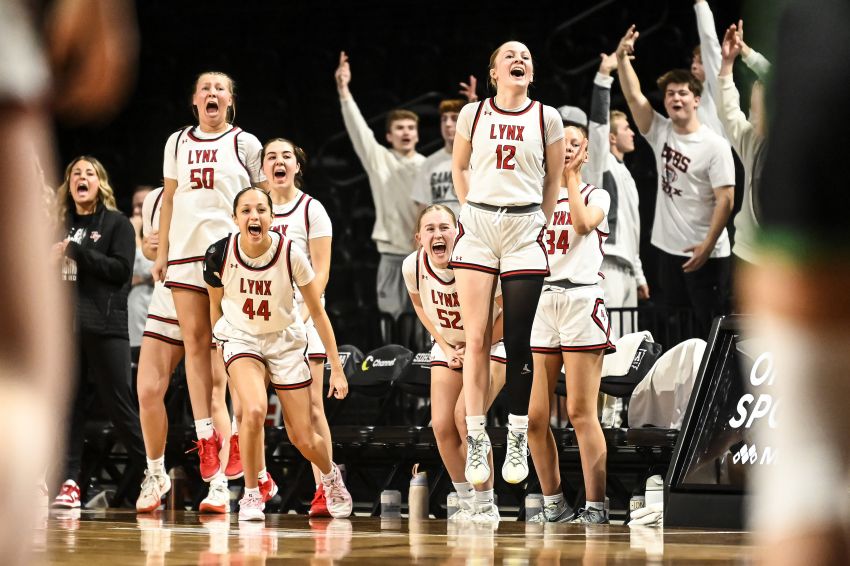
{"points": [[254, 287], [203, 156], [506, 132], [281, 228], [444, 299]]}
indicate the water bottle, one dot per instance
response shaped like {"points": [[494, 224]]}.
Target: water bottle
{"points": [[451, 504], [390, 504], [176, 500], [533, 505], [417, 497]]}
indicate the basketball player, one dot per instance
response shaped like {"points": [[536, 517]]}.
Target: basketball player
{"points": [[162, 349], [571, 328], [252, 276], [798, 294], [434, 182], [696, 188], [392, 173], [431, 284], [304, 221], [506, 167], [204, 166], [610, 138]]}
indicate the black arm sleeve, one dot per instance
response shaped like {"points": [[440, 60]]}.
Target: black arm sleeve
{"points": [[114, 266], [600, 102], [214, 261]]}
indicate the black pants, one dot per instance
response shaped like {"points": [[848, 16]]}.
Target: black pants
{"points": [[104, 374], [706, 290]]}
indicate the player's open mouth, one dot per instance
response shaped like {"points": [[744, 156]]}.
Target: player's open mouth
{"points": [[280, 173], [438, 248], [82, 189], [255, 229], [212, 107], [518, 72]]}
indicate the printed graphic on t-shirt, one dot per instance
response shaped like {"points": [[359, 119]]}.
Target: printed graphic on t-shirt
{"points": [[673, 160]]}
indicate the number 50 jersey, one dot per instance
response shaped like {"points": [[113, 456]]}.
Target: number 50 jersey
{"points": [[436, 290], [259, 293]]}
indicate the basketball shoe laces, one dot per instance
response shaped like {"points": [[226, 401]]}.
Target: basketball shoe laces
{"points": [[477, 452], [334, 491], [206, 450], [150, 485], [517, 450]]}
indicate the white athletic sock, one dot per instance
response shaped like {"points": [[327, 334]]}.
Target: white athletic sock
{"points": [[518, 422], [598, 505], [204, 428], [484, 496], [252, 491], [157, 465], [219, 479], [475, 423], [263, 475], [328, 478], [234, 425], [463, 489], [550, 499]]}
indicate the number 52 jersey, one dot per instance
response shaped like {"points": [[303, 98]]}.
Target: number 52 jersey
{"points": [[259, 293]]}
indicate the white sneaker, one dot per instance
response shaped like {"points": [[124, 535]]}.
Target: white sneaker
{"points": [[465, 510], [338, 499], [251, 508], [515, 468], [486, 514], [154, 488], [218, 499], [477, 469]]}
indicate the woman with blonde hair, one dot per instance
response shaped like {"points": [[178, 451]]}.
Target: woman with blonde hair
{"points": [[96, 257]]}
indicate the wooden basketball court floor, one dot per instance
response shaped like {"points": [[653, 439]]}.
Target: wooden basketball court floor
{"points": [[121, 538]]}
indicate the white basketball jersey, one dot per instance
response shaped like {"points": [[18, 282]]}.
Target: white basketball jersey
{"points": [[436, 288], [508, 150], [575, 257], [162, 304], [261, 299], [209, 174]]}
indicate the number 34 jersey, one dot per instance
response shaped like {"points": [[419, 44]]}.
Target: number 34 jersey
{"points": [[436, 290], [259, 293], [575, 257], [209, 169]]}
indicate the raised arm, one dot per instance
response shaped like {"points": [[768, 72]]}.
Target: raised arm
{"points": [[735, 123], [639, 106], [598, 129], [584, 218], [709, 45], [362, 137], [752, 58]]}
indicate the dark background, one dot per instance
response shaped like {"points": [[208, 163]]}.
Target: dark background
{"points": [[283, 55]]}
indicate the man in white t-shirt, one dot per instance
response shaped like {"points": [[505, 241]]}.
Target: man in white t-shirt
{"points": [[392, 173], [696, 182], [434, 184]]}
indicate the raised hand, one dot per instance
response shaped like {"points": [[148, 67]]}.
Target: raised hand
{"points": [[731, 46], [607, 63], [573, 165], [342, 73], [626, 47], [468, 89]]}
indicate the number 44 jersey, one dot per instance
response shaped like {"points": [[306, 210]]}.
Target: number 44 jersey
{"points": [[259, 293], [573, 257]]}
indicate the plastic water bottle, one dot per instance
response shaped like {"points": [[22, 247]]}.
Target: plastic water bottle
{"points": [[451, 504], [533, 505], [417, 497], [390, 504]]}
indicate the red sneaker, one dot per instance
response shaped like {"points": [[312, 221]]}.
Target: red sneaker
{"points": [[268, 488], [208, 449], [68, 497], [319, 506], [233, 471]]}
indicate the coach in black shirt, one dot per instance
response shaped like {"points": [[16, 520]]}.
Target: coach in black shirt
{"points": [[97, 258]]}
